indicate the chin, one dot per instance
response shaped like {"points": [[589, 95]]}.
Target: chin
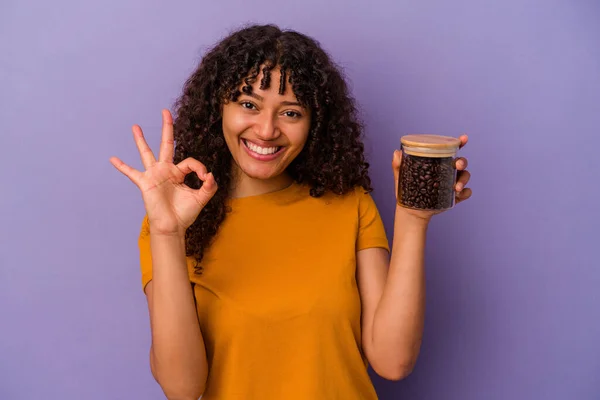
{"points": [[262, 172]]}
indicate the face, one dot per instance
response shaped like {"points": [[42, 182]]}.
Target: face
{"points": [[265, 131]]}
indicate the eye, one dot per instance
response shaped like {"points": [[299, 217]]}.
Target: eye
{"points": [[292, 114], [248, 105]]}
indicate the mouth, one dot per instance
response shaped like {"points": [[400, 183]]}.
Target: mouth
{"points": [[262, 153]]}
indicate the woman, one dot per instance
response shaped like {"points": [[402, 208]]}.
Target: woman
{"points": [[263, 205]]}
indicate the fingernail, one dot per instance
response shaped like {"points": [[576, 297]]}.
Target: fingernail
{"points": [[459, 187]]}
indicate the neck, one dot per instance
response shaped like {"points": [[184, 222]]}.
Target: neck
{"points": [[245, 186]]}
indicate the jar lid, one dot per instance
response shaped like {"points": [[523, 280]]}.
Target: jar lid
{"points": [[430, 141]]}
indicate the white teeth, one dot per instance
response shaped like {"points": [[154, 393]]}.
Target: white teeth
{"points": [[261, 150]]}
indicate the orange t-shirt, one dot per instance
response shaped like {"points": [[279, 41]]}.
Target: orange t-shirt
{"points": [[278, 302]]}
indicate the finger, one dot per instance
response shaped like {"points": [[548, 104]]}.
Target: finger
{"points": [[462, 180], [209, 185], [167, 141], [463, 140], [465, 194], [208, 189], [126, 170], [145, 152], [396, 161], [461, 163], [190, 165]]}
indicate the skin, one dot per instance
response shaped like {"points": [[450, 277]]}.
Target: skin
{"points": [[177, 354], [392, 286], [266, 119]]}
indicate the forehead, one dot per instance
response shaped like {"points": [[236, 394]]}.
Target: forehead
{"points": [[272, 84]]}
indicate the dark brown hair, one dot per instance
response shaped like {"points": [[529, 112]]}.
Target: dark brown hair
{"points": [[333, 156]]}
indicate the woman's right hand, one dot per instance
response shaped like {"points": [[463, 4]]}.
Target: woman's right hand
{"points": [[171, 205]]}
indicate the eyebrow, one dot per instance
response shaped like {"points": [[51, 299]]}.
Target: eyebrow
{"points": [[285, 103]]}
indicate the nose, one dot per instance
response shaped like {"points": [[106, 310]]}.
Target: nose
{"points": [[266, 127]]}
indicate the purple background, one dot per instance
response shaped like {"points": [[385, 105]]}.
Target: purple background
{"points": [[513, 275]]}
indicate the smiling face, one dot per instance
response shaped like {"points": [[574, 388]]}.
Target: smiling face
{"points": [[265, 131]]}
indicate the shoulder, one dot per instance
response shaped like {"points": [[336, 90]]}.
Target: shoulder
{"points": [[145, 228], [355, 194], [363, 198], [353, 198], [360, 193]]}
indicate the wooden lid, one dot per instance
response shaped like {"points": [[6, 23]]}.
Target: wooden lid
{"points": [[430, 141]]}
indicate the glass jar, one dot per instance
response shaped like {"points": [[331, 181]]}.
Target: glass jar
{"points": [[427, 172]]}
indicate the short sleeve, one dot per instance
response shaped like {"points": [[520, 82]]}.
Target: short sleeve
{"points": [[371, 232], [145, 254]]}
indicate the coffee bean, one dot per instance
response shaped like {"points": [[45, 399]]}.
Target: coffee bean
{"points": [[426, 182]]}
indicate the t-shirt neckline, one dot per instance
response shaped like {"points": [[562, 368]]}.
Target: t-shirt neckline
{"points": [[274, 195]]}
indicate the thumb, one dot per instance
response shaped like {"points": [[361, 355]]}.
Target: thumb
{"points": [[207, 190], [396, 161]]}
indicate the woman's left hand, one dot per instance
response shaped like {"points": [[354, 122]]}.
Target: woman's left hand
{"points": [[462, 179]]}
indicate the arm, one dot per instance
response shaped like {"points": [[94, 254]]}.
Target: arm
{"points": [[177, 355], [393, 299], [393, 293]]}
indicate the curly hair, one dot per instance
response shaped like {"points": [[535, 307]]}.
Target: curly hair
{"points": [[333, 156]]}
